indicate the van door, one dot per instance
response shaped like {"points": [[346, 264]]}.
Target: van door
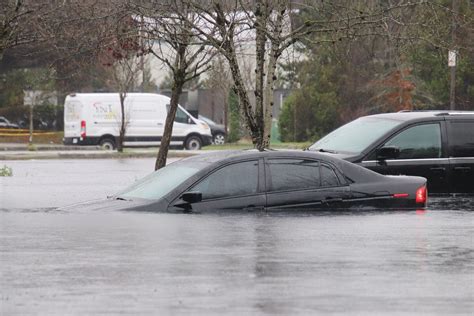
{"points": [[72, 118], [421, 154], [461, 154], [181, 126], [146, 121]]}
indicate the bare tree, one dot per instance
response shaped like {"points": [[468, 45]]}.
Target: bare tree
{"points": [[228, 27], [219, 80], [272, 27], [13, 24], [68, 37], [125, 55], [178, 48], [125, 73]]}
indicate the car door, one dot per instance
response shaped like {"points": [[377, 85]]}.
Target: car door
{"points": [[235, 186], [461, 154], [302, 184], [421, 154]]}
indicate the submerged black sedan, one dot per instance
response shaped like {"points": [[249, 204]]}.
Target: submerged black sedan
{"points": [[268, 180]]}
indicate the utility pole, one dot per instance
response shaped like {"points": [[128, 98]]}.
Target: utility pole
{"points": [[452, 55]]}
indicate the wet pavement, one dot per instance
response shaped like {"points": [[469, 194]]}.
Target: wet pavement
{"points": [[83, 262]]}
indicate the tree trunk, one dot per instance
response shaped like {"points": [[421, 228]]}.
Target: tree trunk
{"points": [[268, 99], [166, 139], [122, 122], [30, 138], [275, 53], [225, 95], [260, 40], [244, 102]]}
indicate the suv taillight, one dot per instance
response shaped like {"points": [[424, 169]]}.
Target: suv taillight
{"points": [[421, 195], [83, 129]]}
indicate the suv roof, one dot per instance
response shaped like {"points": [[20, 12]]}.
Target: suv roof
{"points": [[409, 115]]}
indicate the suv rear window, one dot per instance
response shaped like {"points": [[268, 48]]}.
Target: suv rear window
{"points": [[461, 139]]}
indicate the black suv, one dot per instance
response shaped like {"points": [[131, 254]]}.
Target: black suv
{"points": [[437, 145]]}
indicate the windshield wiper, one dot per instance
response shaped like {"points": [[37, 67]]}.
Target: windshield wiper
{"points": [[327, 151], [121, 198]]}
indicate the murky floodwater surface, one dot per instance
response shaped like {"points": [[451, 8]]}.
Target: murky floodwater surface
{"points": [[83, 262]]}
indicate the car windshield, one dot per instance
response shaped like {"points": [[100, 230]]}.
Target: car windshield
{"points": [[355, 136], [159, 183]]}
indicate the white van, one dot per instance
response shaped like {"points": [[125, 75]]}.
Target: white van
{"points": [[94, 119]]}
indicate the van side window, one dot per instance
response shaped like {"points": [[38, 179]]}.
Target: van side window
{"points": [[417, 142], [461, 139], [181, 116]]}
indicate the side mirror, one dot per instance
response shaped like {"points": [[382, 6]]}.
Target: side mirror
{"points": [[388, 152], [192, 197]]}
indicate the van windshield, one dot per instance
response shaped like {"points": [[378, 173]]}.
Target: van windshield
{"points": [[355, 136], [159, 183]]}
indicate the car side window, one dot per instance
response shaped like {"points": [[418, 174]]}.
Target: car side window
{"points": [[293, 174], [461, 139], [328, 177], [232, 180], [417, 142]]}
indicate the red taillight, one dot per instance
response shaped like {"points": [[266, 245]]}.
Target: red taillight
{"points": [[83, 129], [400, 195], [421, 195]]}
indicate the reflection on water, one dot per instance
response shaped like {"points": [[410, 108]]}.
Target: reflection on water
{"points": [[145, 263], [371, 262]]}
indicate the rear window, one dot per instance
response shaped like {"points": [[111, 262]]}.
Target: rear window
{"points": [[293, 174], [355, 136], [461, 139], [72, 111]]}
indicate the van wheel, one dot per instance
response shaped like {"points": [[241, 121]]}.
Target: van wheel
{"points": [[193, 143], [107, 144], [219, 139]]}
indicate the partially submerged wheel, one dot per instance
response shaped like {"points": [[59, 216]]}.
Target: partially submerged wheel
{"points": [[219, 139], [193, 143], [107, 144]]}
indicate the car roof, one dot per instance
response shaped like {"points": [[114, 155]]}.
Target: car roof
{"points": [[414, 115], [221, 157], [231, 155]]}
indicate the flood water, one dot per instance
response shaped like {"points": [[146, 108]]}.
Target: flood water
{"points": [[83, 262]]}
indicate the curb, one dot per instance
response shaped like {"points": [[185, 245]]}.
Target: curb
{"points": [[27, 155], [48, 148]]}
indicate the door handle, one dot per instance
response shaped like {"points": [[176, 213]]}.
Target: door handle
{"points": [[438, 169], [159, 124], [253, 208], [332, 200], [462, 169]]}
